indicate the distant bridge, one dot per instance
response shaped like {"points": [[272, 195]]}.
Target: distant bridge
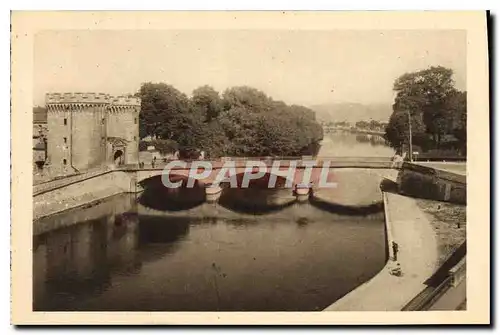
{"points": [[355, 130]]}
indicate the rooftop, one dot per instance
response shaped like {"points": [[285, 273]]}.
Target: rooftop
{"points": [[39, 115]]}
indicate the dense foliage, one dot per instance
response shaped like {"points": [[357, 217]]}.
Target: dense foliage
{"points": [[243, 121], [436, 108]]}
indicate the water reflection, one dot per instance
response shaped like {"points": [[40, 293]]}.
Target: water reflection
{"points": [[158, 197], [78, 261], [364, 210], [256, 201], [126, 261]]}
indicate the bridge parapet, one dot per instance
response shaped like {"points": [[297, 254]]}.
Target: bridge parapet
{"points": [[241, 162]]}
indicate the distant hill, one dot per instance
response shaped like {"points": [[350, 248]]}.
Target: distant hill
{"points": [[352, 112]]}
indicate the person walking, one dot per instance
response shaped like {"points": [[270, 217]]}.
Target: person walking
{"points": [[396, 161], [395, 249]]}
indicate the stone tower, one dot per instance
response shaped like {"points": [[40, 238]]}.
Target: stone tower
{"points": [[89, 130], [123, 129]]}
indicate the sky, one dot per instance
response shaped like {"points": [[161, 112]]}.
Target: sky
{"points": [[296, 66]]}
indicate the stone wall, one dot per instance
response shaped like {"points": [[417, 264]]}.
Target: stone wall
{"points": [[425, 182], [82, 192], [88, 137], [57, 150]]}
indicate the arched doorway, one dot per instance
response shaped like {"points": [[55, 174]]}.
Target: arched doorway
{"points": [[118, 157], [116, 151]]}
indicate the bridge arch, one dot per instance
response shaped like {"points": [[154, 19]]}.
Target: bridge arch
{"points": [[157, 196]]}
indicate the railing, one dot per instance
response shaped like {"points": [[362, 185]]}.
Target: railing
{"points": [[458, 272], [435, 171], [425, 299], [418, 158], [452, 277], [241, 161], [67, 180]]}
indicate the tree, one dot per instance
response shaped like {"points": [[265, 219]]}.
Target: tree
{"points": [[429, 94], [374, 125], [165, 146], [362, 124], [245, 122], [207, 101], [457, 107], [249, 97], [427, 91], [302, 111], [397, 131], [162, 110]]}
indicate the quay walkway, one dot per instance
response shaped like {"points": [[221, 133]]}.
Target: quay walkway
{"points": [[417, 255]]}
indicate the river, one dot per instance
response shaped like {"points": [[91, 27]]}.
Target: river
{"points": [[344, 144], [119, 256]]}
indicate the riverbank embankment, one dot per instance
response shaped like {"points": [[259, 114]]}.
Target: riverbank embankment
{"points": [[74, 192], [417, 256], [434, 181]]}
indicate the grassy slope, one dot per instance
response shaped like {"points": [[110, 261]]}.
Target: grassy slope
{"points": [[449, 223]]}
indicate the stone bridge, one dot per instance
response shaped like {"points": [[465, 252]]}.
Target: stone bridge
{"points": [[279, 167], [302, 176], [79, 189]]}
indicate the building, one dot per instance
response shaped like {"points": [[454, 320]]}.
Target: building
{"points": [[39, 137], [90, 130], [39, 124]]}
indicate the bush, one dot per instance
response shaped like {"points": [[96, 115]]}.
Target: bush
{"points": [[143, 145], [189, 153], [165, 146]]}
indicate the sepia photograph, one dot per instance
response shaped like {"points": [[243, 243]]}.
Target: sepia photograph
{"points": [[192, 164]]}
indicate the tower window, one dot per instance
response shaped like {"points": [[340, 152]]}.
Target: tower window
{"points": [[65, 121], [64, 161], [135, 138], [135, 120], [65, 139]]}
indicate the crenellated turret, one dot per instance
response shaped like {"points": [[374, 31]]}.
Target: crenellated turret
{"points": [[86, 128], [77, 98], [122, 100]]}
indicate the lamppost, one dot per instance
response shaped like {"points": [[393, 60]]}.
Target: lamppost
{"points": [[410, 139]]}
